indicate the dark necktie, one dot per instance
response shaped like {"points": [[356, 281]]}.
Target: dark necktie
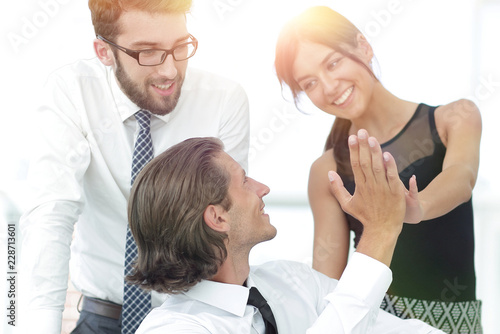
{"points": [[136, 302], [256, 299]]}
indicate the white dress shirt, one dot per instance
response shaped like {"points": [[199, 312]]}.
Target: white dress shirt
{"points": [[302, 300], [80, 173]]}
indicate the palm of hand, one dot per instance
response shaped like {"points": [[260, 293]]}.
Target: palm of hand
{"points": [[379, 198], [378, 202]]}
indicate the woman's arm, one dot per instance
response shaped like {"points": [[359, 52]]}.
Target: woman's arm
{"points": [[331, 232], [459, 127]]}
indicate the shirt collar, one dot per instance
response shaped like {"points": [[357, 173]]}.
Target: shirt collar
{"points": [[126, 108], [228, 297]]}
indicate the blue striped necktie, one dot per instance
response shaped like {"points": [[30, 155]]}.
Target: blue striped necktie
{"points": [[136, 302]]}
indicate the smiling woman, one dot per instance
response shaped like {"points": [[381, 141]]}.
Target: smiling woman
{"points": [[322, 54]]}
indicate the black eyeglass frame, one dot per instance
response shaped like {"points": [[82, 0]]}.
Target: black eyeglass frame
{"points": [[135, 53]]}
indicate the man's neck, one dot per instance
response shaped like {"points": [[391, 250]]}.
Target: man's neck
{"points": [[233, 271]]}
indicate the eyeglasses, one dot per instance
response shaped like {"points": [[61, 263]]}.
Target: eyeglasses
{"points": [[154, 57]]}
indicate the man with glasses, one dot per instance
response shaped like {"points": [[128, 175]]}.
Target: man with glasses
{"points": [[100, 122]]}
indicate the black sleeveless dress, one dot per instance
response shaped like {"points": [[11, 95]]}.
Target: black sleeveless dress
{"points": [[433, 264]]}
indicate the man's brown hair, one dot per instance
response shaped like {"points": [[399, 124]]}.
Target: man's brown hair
{"points": [[177, 249], [105, 13]]}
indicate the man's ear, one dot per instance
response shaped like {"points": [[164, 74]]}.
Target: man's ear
{"points": [[216, 218], [104, 52], [364, 49]]}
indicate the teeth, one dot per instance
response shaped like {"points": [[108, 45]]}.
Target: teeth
{"points": [[164, 87], [344, 96]]}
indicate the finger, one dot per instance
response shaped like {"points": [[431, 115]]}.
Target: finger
{"points": [[392, 175], [338, 189], [413, 189], [365, 156], [378, 167], [358, 174]]}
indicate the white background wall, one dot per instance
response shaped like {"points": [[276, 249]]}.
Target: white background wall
{"points": [[428, 51]]}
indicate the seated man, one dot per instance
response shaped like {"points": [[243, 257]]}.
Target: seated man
{"points": [[195, 216]]}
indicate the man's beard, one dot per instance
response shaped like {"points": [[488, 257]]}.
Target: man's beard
{"points": [[142, 98]]}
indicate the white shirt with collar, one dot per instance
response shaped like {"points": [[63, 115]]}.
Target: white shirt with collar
{"points": [[83, 138], [302, 300]]}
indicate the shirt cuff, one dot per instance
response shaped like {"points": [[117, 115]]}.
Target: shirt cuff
{"points": [[365, 279]]}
